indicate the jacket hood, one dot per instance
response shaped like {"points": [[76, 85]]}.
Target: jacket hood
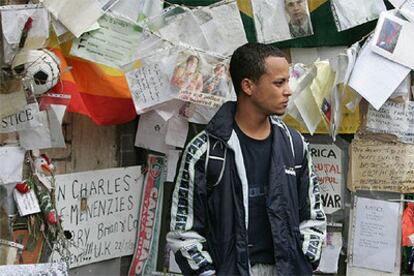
{"points": [[222, 123]]}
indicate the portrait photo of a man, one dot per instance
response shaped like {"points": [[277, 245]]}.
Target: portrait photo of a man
{"points": [[298, 18]]}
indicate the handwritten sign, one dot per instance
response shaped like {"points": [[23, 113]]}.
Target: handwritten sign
{"points": [[393, 118], [149, 86], [376, 232], [380, 166], [100, 209], [145, 256], [327, 162]]}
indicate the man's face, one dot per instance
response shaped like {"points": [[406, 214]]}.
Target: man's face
{"points": [[296, 10], [271, 92]]}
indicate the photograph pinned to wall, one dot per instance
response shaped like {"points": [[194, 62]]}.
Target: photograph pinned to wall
{"points": [[388, 36], [201, 79], [281, 20], [351, 13], [393, 39]]}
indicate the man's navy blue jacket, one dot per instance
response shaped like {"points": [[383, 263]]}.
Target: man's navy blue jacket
{"points": [[209, 228]]}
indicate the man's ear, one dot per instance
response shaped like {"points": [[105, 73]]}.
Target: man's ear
{"points": [[247, 86]]}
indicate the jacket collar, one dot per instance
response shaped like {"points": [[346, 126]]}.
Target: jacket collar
{"points": [[222, 123]]}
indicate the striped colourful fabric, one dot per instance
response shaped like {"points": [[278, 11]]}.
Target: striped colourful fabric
{"points": [[97, 91]]}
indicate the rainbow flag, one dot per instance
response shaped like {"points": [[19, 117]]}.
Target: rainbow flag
{"points": [[97, 91]]}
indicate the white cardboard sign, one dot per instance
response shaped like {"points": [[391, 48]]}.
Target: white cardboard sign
{"points": [[100, 208]]}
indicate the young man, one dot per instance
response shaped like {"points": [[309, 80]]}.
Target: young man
{"points": [[264, 215], [299, 23]]}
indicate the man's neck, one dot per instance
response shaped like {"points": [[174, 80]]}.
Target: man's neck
{"points": [[252, 122]]}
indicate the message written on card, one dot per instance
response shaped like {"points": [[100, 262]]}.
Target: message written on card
{"points": [[100, 209], [381, 166]]}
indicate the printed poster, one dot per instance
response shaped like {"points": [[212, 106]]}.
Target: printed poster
{"points": [[201, 79], [327, 163], [147, 236], [278, 20]]}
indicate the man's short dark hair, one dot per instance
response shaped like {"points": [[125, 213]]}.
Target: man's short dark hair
{"points": [[248, 61]]}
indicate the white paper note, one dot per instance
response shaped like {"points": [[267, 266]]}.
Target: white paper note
{"points": [[202, 114], [376, 233], [351, 13], [26, 203], [169, 109], [136, 10], [26, 118], [177, 130], [222, 27], [182, 27], [393, 118], [11, 160], [113, 44], [394, 38], [13, 102], [403, 4], [310, 55], [403, 89], [150, 84], [376, 86], [77, 15], [151, 132], [13, 18], [308, 110], [330, 253], [49, 134]]}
